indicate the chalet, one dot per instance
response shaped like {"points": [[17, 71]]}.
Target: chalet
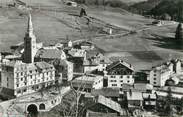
{"points": [[119, 73]]}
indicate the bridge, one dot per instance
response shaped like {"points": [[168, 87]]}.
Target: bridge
{"points": [[36, 102]]}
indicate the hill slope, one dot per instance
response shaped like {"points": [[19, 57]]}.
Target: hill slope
{"points": [[174, 8]]}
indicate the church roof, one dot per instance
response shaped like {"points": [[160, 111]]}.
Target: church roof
{"points": [[49, 53]]}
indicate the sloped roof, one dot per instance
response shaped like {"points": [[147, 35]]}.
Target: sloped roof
{"points": [[99, 114], [107, 92], [110, 104], [87, 81], [148, 95], [134, 96], [49, 53], [129, 66], [43, 65]]}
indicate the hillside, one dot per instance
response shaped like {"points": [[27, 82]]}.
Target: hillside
{"points": [[146, 5], [160, 7]]}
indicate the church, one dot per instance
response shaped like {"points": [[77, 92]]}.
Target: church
{"points": [[27, 76]]}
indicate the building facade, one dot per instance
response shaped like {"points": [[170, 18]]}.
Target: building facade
{"points": [[88, 82], [119, 73], [27, 78]]}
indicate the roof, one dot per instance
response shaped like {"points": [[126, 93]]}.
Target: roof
{"points": [[65, 62], [85, 43], [100, 114], [134, 96], [107, 92], [148, 95], [143, 86], [129, 66], [165, 67], [43, 65], [6, 93], [110, 104], [49, 53], [31, 66], [77, 53], [87, 79]]}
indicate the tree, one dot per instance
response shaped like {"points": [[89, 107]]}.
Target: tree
{"points": [[179, 32], [168, 105], [180, 11]]}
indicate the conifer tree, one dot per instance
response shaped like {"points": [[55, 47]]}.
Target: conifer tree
{"points": [[179, 32]]}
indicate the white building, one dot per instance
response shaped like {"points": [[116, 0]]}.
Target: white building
{"points": [[160, 74], [88, 82], [25, 78], [119, 73]]}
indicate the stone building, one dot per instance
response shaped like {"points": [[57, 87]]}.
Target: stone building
{"points": [[160, 74], [25, 78]]}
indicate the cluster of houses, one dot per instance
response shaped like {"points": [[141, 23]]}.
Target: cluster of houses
{"points": [[110, 85]]}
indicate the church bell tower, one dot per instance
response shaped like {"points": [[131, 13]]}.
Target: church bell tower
{"points": [[29, 43]]}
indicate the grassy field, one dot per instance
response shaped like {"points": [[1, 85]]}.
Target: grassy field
{"points": [[142, 49]]}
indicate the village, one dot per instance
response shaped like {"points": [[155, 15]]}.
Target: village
{"points": [[76, 78]]}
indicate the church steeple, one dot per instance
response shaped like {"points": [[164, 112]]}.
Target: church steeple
{"points": [[29, 43], [30, 26]]}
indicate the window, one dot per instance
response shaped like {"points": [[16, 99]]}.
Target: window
{"points": [[21, 73], [154, 82], [154, 78], [17, 85], [128, 76], [114, 84], [113, 80], [128, 81], [7, 78], [18, 91], [25, 83], [121, 81], [21, 79], [154, 74], [42, 106], [25, 90], [121, 77]]}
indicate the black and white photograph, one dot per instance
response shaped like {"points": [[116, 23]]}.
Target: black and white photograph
{"points": [[91, 58]]}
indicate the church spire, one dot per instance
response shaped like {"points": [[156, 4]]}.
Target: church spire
{"points": [[29, 43], [30, 26]]}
